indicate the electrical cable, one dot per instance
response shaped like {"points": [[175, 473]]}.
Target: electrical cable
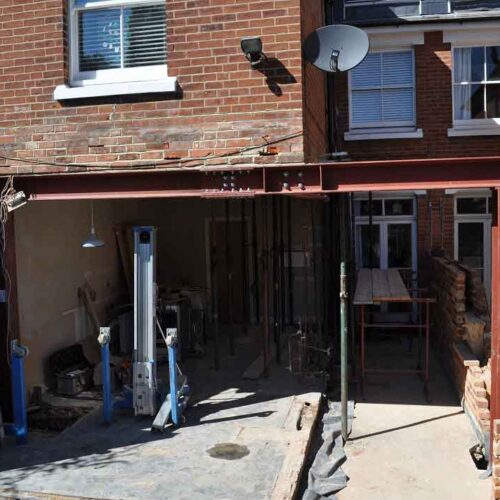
{"points": [[180, 162], [6, 192]]}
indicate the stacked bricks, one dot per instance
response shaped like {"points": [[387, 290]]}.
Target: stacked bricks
{"points": [[496, 460], [448, 285], [476, 400], [433, 63], [222, 106], [475, 292]]}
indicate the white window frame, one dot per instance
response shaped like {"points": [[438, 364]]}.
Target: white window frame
{"points": [[383, 221], [385, 130], [119, 81], [136, 74], [486, 220], [473, 126]]}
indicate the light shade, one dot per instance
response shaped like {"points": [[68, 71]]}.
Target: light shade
{"points": [[92, 240]]}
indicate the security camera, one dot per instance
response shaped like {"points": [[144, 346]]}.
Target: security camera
{"points": [[15, 201], [252, 48]]}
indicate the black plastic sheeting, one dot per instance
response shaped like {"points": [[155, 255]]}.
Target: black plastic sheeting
{"points": [[326, 477]]}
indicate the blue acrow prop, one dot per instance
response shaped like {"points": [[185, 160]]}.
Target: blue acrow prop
{"points": [[176, 401], [19, 428], [107, 394], [108, 403]]}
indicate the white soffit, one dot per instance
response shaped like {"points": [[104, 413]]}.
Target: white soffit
{"points": [[466, 35], [381, 40]]}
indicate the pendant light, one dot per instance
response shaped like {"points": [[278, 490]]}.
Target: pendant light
{"points": [[92, 241]]}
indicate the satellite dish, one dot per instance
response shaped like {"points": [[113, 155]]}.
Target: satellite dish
{"points": [[336, 48]]}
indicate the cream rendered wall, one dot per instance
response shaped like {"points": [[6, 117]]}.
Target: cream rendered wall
{"points": [[51, 265]]}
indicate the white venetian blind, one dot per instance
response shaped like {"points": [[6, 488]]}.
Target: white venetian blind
{"points": [[382, 90], [122, 37]]}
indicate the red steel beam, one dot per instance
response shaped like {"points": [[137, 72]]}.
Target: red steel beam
{"points": [[254, 180]]}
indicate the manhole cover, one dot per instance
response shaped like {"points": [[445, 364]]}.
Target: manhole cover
{"points": [[228, 451]]}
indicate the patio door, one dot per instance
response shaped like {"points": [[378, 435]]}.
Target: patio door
{"points": [[391, 241], [473, 235]]}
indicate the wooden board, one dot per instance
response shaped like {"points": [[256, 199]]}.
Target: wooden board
{"points": [[364, 288], [377, 285], [398, 290]]}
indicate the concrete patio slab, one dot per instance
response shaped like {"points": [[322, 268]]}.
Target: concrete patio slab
{"points": [[403, 446], [272, 417]]}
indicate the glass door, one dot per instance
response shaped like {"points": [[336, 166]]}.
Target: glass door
{"points": [[368, 245], [401, 250], [471, 246], [473, 235]]}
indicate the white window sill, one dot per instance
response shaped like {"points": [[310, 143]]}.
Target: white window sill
{"points": [[464, 132], [370, 136], [63, 92]]}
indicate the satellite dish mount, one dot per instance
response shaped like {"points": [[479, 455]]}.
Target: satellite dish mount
{"points": [[336, 48]]}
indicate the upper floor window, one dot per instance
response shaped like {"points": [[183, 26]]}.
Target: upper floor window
{"points": [[117, 41], [382, 94], [476, 83]]}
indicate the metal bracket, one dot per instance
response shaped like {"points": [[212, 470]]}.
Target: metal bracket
{"points": [[19, 350], [171, 337], [104, 335]]}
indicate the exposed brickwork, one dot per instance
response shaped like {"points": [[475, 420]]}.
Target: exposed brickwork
{"points": [[448, 286], [434, 114], [476, 399], [451, 322], [476, 294], [496, 460], [315, 106], [435, 229], [223, 105]]}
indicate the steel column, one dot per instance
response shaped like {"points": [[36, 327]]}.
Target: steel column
{"points": [[107, 396], [19, 428], [344, 384], [495, 315], [213, 283]]}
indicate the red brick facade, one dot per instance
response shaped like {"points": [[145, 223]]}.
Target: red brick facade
{"points": [[433, 64], [222, 104]]}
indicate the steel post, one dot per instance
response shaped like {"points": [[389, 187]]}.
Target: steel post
{"points": [[213, 282], [20, 426], [344, 388], [174, 399], [107, 395]]}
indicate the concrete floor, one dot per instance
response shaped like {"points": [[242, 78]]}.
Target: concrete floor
{"points": [[127, 461], [402, 446]]}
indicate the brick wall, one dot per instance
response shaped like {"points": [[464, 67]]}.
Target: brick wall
{"points": [[315, 106], [448, 286], [434, 114], [450, 330], [223, 105], [435, 229], [496, 460]]}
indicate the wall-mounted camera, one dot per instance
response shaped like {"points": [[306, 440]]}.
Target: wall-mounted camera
{"points": [[252, 48]]}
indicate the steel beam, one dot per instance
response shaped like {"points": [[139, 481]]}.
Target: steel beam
{"points": [[306, 179]]}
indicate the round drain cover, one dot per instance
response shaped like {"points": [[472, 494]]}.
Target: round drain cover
{"points": [[228, 451]]}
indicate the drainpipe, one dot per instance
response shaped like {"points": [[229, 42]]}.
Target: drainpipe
{"points": [[330, 89]]}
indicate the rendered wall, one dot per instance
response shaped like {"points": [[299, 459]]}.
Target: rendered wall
{"points": [[51, 265]]}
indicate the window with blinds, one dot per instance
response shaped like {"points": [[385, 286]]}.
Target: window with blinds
{"points": [[113, 37], [383, 91]]}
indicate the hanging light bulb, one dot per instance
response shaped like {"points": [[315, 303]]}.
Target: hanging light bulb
{"points": [[92, 241]]}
